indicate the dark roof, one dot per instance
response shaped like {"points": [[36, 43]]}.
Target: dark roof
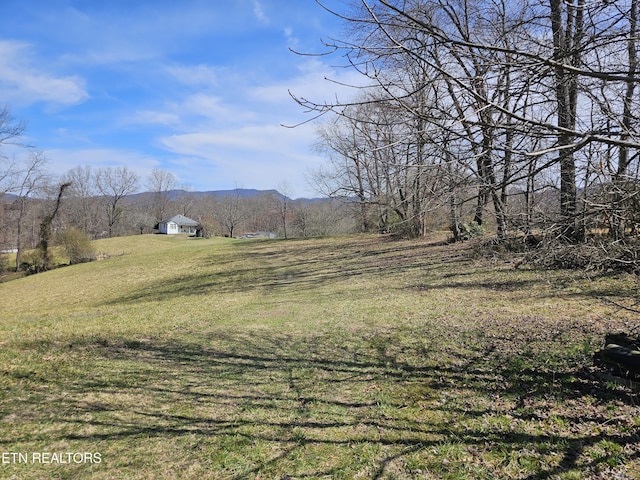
{"points": [[182, 220]]}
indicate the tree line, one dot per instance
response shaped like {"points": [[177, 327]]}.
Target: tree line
{"points": [[520, 115], [39, 208]]}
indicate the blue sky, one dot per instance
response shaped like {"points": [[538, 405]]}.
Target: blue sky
{"points": [[196, 87]]}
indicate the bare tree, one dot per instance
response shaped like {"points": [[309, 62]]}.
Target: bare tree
{"points": [[186, 202], [567, 24], [11, 132], [513, 92], [28, 180], [160, 182], [230, 212], [283, 206], [323, 217], [259, 214], [628, 131], [345, 176], [114, 184], [42, 249], [11, 129], [14, 178], [82, 207]]}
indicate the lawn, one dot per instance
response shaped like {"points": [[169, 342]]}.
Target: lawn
{"points": [[337, 358]]}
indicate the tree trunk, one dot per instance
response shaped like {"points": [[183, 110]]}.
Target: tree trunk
{"points": [[619, 180], [45, 230], [19, 234], [567, 36]]}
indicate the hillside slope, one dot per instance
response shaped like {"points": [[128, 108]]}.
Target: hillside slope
{"points": [[325, 358]]}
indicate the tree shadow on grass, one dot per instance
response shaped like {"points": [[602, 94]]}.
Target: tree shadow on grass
{"points": [[301, 266], [286, 406]]}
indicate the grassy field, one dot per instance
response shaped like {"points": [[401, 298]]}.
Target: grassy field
{"points": [[342, 358]]}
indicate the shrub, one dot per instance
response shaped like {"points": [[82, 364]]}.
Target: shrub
{"points": [[471, 230], [32, 262], [77, 245]]}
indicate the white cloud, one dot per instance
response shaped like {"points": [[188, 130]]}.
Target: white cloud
{"points": [[292, 40], [258, 10], [149, 117], [316, 82], [24, 83], [196, 75], [205, 105], [257, 156], [264, 138], [139, 31], [239, 138], [198, 86]]}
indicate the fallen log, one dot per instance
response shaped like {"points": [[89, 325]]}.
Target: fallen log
{"points": [[605, 377], [622, 339], [625, 359]]}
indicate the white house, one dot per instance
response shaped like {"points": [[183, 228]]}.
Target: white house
{"points": [[178, 224]]}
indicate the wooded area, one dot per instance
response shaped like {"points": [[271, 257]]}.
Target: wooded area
{"points": [[519, 116], [98, 203], [39, 208]]}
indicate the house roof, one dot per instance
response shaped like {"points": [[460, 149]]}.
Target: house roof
{"points": [[182, 220]]}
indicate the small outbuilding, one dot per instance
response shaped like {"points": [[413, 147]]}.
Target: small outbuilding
{"points": [[178, 224]]}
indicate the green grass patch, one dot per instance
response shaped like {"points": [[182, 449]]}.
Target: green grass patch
{"points": [[351, 357]]}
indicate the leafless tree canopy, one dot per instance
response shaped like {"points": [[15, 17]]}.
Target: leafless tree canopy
{"points": [[518, 115], [161, 182], [114, 184]]}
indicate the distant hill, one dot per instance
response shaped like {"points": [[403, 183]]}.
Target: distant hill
{"points": [[8, 197], [240, 192], [174, 194]]}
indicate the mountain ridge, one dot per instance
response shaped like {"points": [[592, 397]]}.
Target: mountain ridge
{"points": [[176, 193]]}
